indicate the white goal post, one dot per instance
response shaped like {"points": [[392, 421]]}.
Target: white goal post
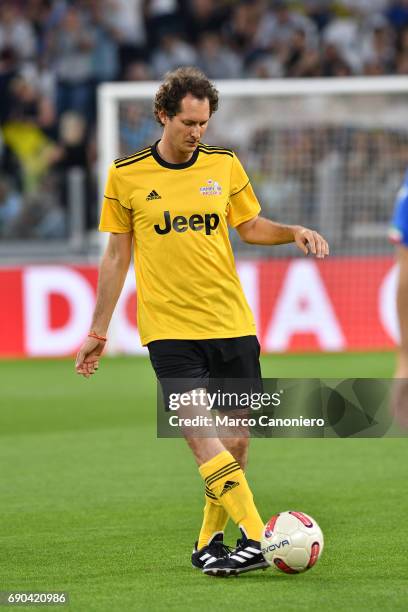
{"points": [[110, 94]]}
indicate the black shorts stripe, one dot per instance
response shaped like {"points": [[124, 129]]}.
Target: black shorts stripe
{"points": [[231, 467], [215, 152], [126, 157], [133, 161]]}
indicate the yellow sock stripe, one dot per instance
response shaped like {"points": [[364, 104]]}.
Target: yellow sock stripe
{"points": [[209, 493], [231, 471], [215, 475], [222, 469], [225, 473]]}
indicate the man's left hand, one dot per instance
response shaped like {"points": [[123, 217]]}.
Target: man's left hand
{"points": [[308, 240]]}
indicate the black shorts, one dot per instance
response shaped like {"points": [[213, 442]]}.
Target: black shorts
{"points": [[229, 365]]}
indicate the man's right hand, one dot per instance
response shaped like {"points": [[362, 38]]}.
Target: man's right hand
{"points": [[112, 274], [87, 359]]}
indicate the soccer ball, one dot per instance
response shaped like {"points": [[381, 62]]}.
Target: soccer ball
{"points": [[292, 542]]}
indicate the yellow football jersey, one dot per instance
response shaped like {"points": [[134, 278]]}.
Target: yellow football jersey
{"points": [[187, 284]]}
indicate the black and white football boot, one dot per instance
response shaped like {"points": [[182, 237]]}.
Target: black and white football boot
{"points": [[246, 557], [213, 551]]}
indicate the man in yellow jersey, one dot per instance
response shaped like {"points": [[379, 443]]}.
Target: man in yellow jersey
{"points": [[175, 201]]}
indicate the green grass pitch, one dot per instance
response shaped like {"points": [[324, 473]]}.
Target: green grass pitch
{"points": [[93, 504]]}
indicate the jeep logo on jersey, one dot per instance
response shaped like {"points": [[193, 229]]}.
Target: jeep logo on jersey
{"points": [[180, 224]]}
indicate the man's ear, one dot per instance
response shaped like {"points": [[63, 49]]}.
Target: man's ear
{"points": [[163, 117]]}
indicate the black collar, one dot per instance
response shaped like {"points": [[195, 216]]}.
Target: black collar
{"points": [[166, 164]]}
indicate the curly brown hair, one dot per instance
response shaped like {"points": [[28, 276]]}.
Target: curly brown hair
{"points": [[177, 84]]}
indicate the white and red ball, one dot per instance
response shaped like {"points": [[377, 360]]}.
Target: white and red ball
{"points": [[292, 542]]}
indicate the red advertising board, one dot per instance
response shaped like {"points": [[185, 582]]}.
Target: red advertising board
{"points": [[299, 304]]}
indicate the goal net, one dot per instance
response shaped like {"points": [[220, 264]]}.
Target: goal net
{"points": [[328, 154]]}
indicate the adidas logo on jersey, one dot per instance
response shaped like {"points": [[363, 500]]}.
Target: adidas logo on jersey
{"points": [[153, 195], [230, 484]]}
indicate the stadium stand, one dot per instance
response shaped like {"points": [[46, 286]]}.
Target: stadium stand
{"points": [[53, 55]]}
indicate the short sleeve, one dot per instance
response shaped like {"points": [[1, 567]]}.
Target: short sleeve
{"points": [[116, 214], [243, 204]]}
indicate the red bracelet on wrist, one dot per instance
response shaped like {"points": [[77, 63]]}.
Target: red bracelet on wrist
{"points": [[92, 334]]}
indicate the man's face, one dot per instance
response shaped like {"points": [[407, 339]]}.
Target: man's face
{"points": [[186, 129]]}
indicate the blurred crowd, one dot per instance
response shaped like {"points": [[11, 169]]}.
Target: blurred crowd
{"points": [[54, 53], [341, 179]]}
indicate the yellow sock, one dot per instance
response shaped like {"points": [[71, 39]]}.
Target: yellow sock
{"points": [[214, 521], [226, 480]]}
